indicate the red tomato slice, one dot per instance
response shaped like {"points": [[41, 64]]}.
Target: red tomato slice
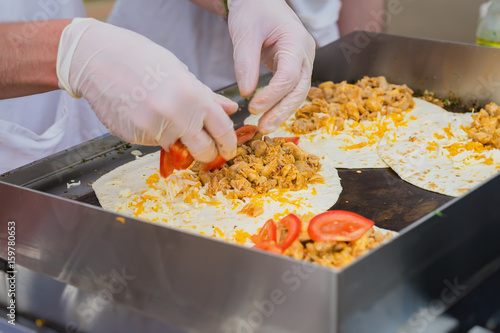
{"points": [[268, 232], [176, 158], [245, 133], [294, 139], [215, 164], [293, 225], [269, 245], [338, 225]]}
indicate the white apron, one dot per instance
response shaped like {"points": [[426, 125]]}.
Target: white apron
{"points": [[36, 126], [201, 39]]}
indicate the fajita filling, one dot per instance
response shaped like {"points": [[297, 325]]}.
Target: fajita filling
{"points": [[332, 104]]}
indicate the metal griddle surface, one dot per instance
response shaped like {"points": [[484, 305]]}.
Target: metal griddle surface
{"points": [[378, 194]]}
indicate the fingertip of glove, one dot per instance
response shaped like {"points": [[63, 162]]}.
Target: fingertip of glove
{"points": [[226, 144], [230, 107], [246, 92], [256, 107], [247, 81], [228, 154], [265, 130], [265, 127], [271, 121], [227, 104], [206, 155]]}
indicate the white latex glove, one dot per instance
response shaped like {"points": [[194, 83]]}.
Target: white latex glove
{"points": [[142, 92], [269, 31]]}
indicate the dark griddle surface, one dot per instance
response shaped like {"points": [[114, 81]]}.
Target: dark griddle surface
{"points": [[386, 199], [378, 194]]}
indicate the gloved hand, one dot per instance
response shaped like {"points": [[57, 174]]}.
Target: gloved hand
{"points": [[269, 31], [142, 92]]}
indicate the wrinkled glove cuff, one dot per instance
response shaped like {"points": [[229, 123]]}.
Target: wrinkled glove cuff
{"points": [[68, 43]]}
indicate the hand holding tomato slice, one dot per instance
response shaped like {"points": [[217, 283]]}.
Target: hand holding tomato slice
{"points": [[178, 156], [338, 225]]}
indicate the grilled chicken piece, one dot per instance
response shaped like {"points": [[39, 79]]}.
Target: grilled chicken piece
{"points": [[262, 165]]}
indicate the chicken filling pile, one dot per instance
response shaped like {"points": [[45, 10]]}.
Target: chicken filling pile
{"points": [[485, 128], [333, 253], [365, 100], [262, 164]]}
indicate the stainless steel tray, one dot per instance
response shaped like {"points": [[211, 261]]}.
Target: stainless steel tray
{"points": [[80, 268]]}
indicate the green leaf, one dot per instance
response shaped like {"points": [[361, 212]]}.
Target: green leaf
{"points": [[438, 213]]}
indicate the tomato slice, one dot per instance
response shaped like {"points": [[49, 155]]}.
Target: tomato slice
{"points": [[245, 133], [294, 139], [269, 245], [338, 225], [215, 164], [268, 232], [176, 158], [293, 225]]}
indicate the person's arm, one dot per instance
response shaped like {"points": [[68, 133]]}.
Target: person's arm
{"points": [[361, 15], [139, 90], [28, 57]]}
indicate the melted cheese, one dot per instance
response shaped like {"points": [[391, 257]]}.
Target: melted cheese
{"points": [[241, 236], [368, 133]]}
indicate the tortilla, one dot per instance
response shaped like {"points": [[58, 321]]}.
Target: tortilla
{"points": [[434, 151], [135, 189]]}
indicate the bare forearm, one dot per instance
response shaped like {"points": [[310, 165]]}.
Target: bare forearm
{"points": [[28, 57], [361, 15]]}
